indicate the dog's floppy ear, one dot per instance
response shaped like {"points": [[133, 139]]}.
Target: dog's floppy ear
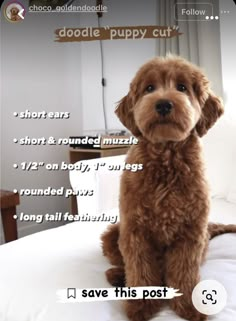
{"points": [[124, 111], [212, 110]]}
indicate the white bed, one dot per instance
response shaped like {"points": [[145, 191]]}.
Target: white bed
{"points": [[33, 268]]}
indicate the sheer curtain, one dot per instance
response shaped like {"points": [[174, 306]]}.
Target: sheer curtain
{"points": [[199, 42]]}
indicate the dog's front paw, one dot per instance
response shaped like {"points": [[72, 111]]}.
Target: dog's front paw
{"points": [[116, 276], [141, 310]]}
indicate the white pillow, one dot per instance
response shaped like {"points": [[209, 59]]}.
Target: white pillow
{"points": [[104, 182], [218, 145], [232, 192]]}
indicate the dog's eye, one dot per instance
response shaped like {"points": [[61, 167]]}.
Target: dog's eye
{"points": [[181, 87], [150, 88]]}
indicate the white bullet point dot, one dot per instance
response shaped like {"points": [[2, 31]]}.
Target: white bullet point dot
{"points": [[15, 191], [15, 140], [15, 166], [15, 217], [207, 17], [15, 114]]}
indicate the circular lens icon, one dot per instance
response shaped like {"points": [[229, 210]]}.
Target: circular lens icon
{"points": [[14, 12], [209, 297]]}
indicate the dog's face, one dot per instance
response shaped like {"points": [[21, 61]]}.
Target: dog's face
{"points": [[168, 98], [14, 11]]}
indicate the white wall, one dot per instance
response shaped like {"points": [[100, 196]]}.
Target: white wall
{"points": [[122, 58], [228, 50], [38, 74]]}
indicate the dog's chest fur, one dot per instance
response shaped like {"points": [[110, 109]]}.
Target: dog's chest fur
{"points": [[170, 193]]}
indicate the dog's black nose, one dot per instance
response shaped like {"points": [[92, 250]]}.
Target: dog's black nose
{"points": [[163, 107]]}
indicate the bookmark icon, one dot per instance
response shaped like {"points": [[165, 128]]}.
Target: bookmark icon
{"points": [[71, 293]]}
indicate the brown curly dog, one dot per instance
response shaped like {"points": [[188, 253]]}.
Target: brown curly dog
{"points": [[163, 233], [14, 14]]}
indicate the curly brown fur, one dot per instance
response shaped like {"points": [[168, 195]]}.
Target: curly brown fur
{"points": [[14, 14], [163, 233], [116, 276], [216, 229], [111, 250]]}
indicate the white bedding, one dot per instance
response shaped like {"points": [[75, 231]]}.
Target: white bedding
{"points": [[34, 267]]}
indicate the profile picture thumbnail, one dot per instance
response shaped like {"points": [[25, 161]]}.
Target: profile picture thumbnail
{"points": [[14, 12]]}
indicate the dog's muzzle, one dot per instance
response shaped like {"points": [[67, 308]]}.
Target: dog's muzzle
{"points": [[163, 107]]}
